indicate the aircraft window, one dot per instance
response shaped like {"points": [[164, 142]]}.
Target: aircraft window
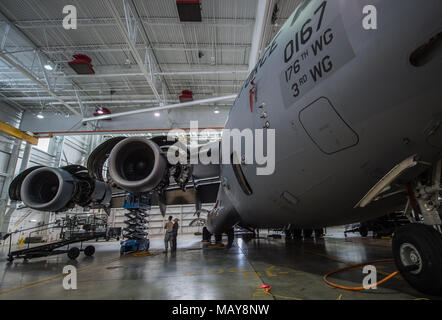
{"points": [[239, 174]]}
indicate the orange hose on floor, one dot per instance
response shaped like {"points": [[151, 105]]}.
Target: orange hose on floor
{"points": [[391, 275]]}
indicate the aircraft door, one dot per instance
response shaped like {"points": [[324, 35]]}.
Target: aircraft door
{"points": [[326, 128]]}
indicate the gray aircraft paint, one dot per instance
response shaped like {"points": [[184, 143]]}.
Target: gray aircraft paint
{"points": [[376, 99]]}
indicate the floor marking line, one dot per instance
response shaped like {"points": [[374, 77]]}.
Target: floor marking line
{"points": [[50, 279], [263, 293], [283, 297], [253, 268]]}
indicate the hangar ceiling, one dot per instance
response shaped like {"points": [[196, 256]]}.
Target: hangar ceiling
{"points": [[149, 66]]}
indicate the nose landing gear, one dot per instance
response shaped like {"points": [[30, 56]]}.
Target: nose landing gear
{"points": [[417, 247], [218, 237], [417, 251]]}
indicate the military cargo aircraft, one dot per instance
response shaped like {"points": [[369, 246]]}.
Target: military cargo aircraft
{"points": [[357, 117]]}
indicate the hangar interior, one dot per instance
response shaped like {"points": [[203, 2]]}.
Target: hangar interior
{"points": [[145, 54]]}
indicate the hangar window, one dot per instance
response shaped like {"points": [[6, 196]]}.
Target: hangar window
{"points": [[239, 174], [43, 144]]}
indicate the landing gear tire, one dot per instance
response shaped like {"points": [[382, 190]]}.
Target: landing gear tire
{"points": [[363, 231], [218, 238], [417, 251], [319, 233], [308, 233], [206, 235], [293, 233], [73, 253], [89, 251], [230, 237], [297, 233]]}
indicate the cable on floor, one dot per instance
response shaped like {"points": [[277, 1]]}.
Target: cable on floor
{"points": [[391, 275]]}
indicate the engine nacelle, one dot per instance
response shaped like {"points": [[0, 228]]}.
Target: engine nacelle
{"points": [[58, 189], [47, 189], [137, 165]]}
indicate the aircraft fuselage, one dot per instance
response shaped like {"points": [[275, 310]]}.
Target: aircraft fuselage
{"points": [[347, 106]]}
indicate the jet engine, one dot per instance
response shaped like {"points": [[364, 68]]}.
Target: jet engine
{"points": [[58, 189], [137, 165]]}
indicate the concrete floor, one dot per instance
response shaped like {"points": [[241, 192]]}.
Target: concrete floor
{"points": [[293, 269]]}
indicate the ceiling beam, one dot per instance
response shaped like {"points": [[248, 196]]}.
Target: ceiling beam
{"points": [[132, 46], [167, 107], [150, 21], [97, 99], [139, 74], [9, 60], [118, 47], [16, 133], [37, 82]]}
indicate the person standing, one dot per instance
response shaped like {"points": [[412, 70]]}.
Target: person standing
{"points": [[168, 236], [175, 233]]}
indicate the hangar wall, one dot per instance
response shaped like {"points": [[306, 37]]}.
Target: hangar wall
{"points": [[9, 152], [58, 151], [61, 151]]}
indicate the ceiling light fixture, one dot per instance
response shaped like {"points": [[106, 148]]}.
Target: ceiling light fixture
{"points": [[156, 114], [48, 67], [40, 115]]}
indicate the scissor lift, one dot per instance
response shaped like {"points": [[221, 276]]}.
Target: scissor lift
{"points": [[135, 231]]}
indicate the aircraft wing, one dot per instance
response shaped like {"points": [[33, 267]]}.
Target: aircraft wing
{"points": [[180, 184]]}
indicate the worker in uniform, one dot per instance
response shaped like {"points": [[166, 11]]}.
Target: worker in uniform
{"points": [[168, 236], [175, 233]]}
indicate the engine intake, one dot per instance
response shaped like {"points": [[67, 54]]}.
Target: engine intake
{"points": [[48, 189], [58, 189], [137, 165]]}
